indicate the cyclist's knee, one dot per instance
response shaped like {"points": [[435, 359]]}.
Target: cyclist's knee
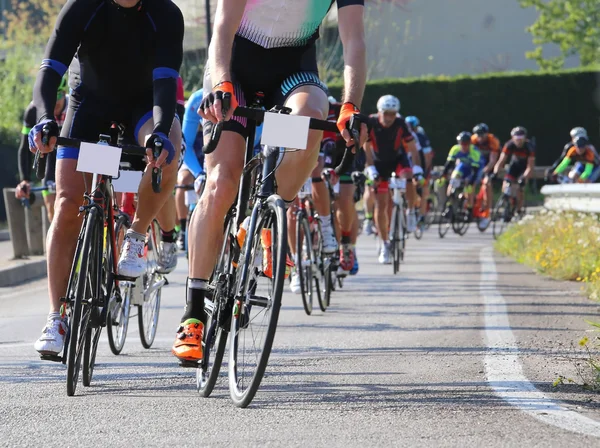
{"points": [[66, 210], [221, 187], [184, 177]]}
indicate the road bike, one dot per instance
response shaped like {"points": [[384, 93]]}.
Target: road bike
{"points": [[398, 225], [506, 209], [246, 286]]}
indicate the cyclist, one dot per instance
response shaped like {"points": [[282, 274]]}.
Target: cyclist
{"points": [[464, 160], [426, 154], [522, 160], [109, 82], [270, 48], [583, 157], [489, 147], [193, 159], [387, 150], [575, 133], [25, 156]]}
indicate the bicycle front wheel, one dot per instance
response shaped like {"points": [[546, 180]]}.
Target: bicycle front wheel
{"points": [[152, 286], [256, 309], [304, 260], [501, 216], [445, 221], [81, 302]]}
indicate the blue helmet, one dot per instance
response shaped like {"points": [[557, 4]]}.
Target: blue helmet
{"points": [[412, 121]]}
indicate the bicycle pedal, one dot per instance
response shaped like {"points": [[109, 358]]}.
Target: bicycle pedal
{"points": [[189, 364], [53, 358]]}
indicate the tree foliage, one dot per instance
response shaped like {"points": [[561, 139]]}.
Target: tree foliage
{"points": [[26, 29], [570, 24]]}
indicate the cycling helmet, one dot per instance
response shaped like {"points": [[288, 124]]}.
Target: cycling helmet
{"points": [[481, 129], [412, 121], [388, 103], [518, 131], [332, 100], [581, 142], [578, 132], [464, 137]]}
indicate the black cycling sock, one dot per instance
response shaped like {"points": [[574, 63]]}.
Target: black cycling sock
{"points": [[168, 237], [183, 224], [194, 306]]}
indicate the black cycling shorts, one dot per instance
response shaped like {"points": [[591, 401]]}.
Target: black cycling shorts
{"points": [[386, 168], [276, 72], [88, 117], [515, 170]]}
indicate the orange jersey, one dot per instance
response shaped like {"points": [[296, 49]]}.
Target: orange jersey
{"points": [[587, 157], [490, 145]]}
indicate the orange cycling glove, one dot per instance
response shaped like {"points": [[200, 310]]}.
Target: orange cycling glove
{"points": [[348, 109], [227, 87]]}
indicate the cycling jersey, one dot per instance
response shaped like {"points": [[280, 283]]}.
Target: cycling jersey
{"points": [[488, 146], [388, 142], [193, 159], [274, 30], [125, 68], [285, 23], [584, 162], [25, 155], [519, 155], [465, 163]]}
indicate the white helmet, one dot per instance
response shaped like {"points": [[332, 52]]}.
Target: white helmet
{"points": [[388, 103], [578, 132]]}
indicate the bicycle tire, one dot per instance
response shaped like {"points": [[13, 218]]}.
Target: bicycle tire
{"points": [[432, 210], [404, 227], [395, 239], [460, 221], [151, 306], [304, 266], [215, 335], [120, 302], [273, 213], [499, 216], [328, 286], [79, 321], [445, 221]]}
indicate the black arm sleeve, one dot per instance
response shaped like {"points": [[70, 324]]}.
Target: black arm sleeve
{"points": [[169, 56], [25, 160], [61, 47]]}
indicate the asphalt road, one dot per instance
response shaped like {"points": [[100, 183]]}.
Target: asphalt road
{"points": [[447, 353]]}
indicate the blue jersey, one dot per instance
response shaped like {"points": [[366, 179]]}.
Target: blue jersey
{"points": [[194, 159]]}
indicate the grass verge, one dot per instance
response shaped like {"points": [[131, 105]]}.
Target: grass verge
{"points": [[564, 246]]}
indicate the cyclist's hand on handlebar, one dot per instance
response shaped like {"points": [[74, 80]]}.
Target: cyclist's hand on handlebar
{"points": [[347, 111], [167, 154], [221, 99], [22, 191], [371, 173], [35, 137], [330, 173]]}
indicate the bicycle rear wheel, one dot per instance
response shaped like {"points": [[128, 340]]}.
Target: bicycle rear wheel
{"points": [[81, 308], [119, 306], [304, 260], [218, 313], [395, 243], [256, 309]]}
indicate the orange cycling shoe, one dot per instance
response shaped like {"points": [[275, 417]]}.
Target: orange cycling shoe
{"points": [[265, 239], [188, 345]]}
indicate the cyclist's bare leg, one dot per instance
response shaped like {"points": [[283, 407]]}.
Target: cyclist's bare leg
{"points": [[489, 193], [320, 193], [184, 177], [369, 201], [205, 231], [309, 101], [167, 214], [149, 202], [62, 235], [355, 225], [49, 204], [411, 192], [424, 197], [345, 209], [382, 220]]}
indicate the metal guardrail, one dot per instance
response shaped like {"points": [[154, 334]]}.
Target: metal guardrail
{"points": [[27, 226], [573, 197]]}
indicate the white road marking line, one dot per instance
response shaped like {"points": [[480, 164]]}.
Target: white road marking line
{"points": [[503, 368]]}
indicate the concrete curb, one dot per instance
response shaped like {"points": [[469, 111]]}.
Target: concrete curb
{"points": [[24, 271]]}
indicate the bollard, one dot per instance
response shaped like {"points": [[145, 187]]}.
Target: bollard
{"points": [[15, 215], [35, 229]]}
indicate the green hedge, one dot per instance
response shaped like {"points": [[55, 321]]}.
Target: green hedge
{"points": [[547, 104]]}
